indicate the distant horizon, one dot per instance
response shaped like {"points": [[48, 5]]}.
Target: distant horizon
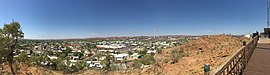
{"points": [[123, 36], [58, 19]]}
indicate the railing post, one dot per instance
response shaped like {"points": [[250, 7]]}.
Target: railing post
{"points": [[244, 59], [239, 60]]}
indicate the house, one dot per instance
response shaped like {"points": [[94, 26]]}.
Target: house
{"points": [[52, 57], [74, 59], [97, 65], [134, 56], [151, 51], [247, 36], [112, 46], [120, 56], [134, 44], [38, 51], [109, 51], [144, 66], [94, 63], [69, 64], [44, 62]]}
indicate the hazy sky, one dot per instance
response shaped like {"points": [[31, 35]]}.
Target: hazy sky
{"points": [[48, 19]]}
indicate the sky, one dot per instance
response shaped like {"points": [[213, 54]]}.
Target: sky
{"points": [[59, 19]]}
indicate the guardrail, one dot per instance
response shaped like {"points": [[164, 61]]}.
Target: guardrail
{"points": [[238, 62]]}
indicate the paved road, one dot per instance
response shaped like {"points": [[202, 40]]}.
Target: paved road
{"points": [[264, 40], [259, 63]]}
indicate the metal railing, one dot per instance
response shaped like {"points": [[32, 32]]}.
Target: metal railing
{"points": [[238, 62]]}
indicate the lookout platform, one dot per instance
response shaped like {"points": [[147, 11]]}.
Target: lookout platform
{"points": [[259, 63]]}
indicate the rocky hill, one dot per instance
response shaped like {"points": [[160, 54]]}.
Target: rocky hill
{"points": [[214, 50]]}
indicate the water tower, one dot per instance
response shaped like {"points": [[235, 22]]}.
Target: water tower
{"points": [[267, 29]]}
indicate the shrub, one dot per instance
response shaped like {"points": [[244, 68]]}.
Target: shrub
{"points": [[176, 55], [137, 64], [147, 59]]}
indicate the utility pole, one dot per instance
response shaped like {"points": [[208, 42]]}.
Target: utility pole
{"points": [[129, 35], [154, 31]]}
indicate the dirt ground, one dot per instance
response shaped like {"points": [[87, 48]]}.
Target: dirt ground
{"points": [[215, 50], [23, 69]]}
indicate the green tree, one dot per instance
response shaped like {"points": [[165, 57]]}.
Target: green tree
{"points": [[54, 63], [3, 54], [137, 64], [23, 57], [60, 65], [143, 52], [98, 55], [10, 35], [49, 53], [68, 50], [130, 53], [107, 62], [147, 59], [62, 55], [36, 59], [42, 58], [80, 54], [75, 68]]}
